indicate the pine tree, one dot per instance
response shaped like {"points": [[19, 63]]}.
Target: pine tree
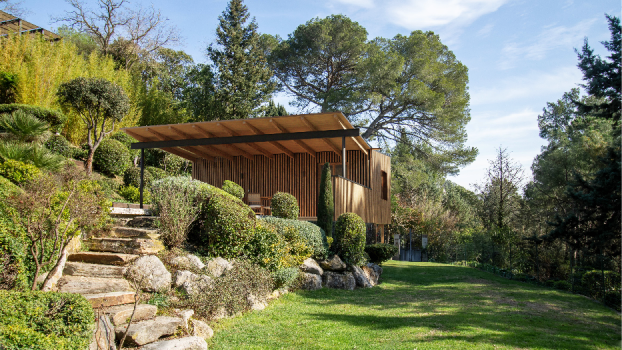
{"points": [[325, 204], [244, 79], [275, 110]]}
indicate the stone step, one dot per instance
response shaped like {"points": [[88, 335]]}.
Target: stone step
{"points": [[104, 258], [142, 222], [92, 285], [133, 232], [93, 270], [138, 246], [110, 299], [120, 314], [145, 332], [128, 212]]}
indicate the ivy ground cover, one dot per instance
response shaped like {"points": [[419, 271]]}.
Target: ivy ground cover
{"points": [[426, 306]]}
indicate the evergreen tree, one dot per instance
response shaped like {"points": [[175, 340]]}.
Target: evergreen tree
{"points": [[244, 79], [325, 204], [275, 110]]}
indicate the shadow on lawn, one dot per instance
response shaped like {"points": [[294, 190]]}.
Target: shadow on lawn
{"points": [[451, 301]]}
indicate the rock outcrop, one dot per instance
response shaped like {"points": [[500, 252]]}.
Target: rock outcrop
{"points": [[310, 281], [311, 266], [149, 273], [338, 281], [333, 264]]}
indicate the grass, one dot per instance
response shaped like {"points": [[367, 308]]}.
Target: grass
{"points": [[426, 306]]}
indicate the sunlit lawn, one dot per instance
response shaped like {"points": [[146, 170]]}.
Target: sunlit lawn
{"points": [[426, 306]]}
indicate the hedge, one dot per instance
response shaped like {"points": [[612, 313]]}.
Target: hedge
{"points": [[233, 189], [111, 157], [18, 172], [285, 206], [314, 236], [45, 320], [349, 237], [380, 252], [54, 117]]}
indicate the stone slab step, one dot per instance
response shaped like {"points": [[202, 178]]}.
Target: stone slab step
{"points": [[138, 246], [92, 285], [145, 332], [110, 299], [142, 222], [134, 232], [120, 314], [105, 258], [93, 270], [128, 212], [186, 343]]}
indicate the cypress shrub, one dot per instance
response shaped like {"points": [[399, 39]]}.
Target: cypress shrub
{"points": [[285, 206], [349, 240], [325, 203], [233, 189], [111, 157]]}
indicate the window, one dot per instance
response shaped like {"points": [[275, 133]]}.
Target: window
{"points": [[385, 186]]}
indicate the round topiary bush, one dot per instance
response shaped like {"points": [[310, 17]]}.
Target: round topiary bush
{"points": [[156, 173], [126, 140], [111, 157], [380, 252], [58, 144], [131, 177], [285, 206], [18, 172], [313, 235], [233, 189], [349, 237]]}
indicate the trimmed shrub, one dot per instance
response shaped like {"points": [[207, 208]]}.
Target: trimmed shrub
{"points": [[313, 235], [58, 144], [225, 224], [175, 201], [562, 285], [132, 194], [283, 278], [18, 172], [325, 203], [285, 206], [613, 299], [127, 141], [232, 291], [156, 173], [380, 252], [349, 238], [131, 177], [45, 320], [233, 189], [54, 117], [267, 248], [297, 248], [111, 157]]}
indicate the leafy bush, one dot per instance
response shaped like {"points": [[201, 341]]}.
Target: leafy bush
{"points": [[58, 144], [233, 189], [175, 201], [108, 186], [613, 299], [12, 256], [313, 235], [380, 252], [349, 238], [285, 206], [231, 292], [593, 282], [156, 173], [45, 320], [132, 194], [562, 285], [7, 188], [297, 249], [225, 224], [111, 157], [31, 153], [175, 165], [266, 248], [131, 177], [18, 172], [8, 87], [23, 126], [53, 117], [283, 278], [325, 204]]}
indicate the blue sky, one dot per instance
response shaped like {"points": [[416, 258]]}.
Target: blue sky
{"points": [[519, 53]]}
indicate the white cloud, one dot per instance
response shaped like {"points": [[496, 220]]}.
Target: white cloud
{"points": [[485, 30], [551, 38], [417, 14], [535, 84], [360, 3]]}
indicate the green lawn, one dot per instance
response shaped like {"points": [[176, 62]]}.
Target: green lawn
{"points": [[426, 306]]}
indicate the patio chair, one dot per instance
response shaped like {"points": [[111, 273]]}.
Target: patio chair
{"points": [[254, 202]]}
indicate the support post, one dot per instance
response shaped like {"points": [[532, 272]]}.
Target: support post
{"points": [[142, 175], [343, 157]]}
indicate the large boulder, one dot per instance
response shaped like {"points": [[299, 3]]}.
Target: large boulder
{"points": [[311, 266], [360, 277], [310, 281], [185, 316], [376, 268], [188, 262], [149, 274], [201, 329], [338, 281], [191, 283], [218, 266], [187, 343], [333, 264], [145, 332]]}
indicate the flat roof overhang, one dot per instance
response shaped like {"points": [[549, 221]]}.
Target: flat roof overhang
{"points": [[308, 133]]}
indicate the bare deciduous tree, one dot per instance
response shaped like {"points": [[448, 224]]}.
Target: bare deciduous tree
{"points": [[128, 33]]}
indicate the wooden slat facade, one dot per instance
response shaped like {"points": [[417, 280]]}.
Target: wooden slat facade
{"points": [[300, 175]]}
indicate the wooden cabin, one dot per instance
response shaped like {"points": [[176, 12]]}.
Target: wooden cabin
{"points": [[283, 154]]}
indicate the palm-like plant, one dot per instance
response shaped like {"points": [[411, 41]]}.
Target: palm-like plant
{"points": [[31, 153], [23, 126]]}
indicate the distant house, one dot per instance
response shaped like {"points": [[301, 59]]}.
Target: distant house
{"points": [[283, 154], [10, 24]]}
